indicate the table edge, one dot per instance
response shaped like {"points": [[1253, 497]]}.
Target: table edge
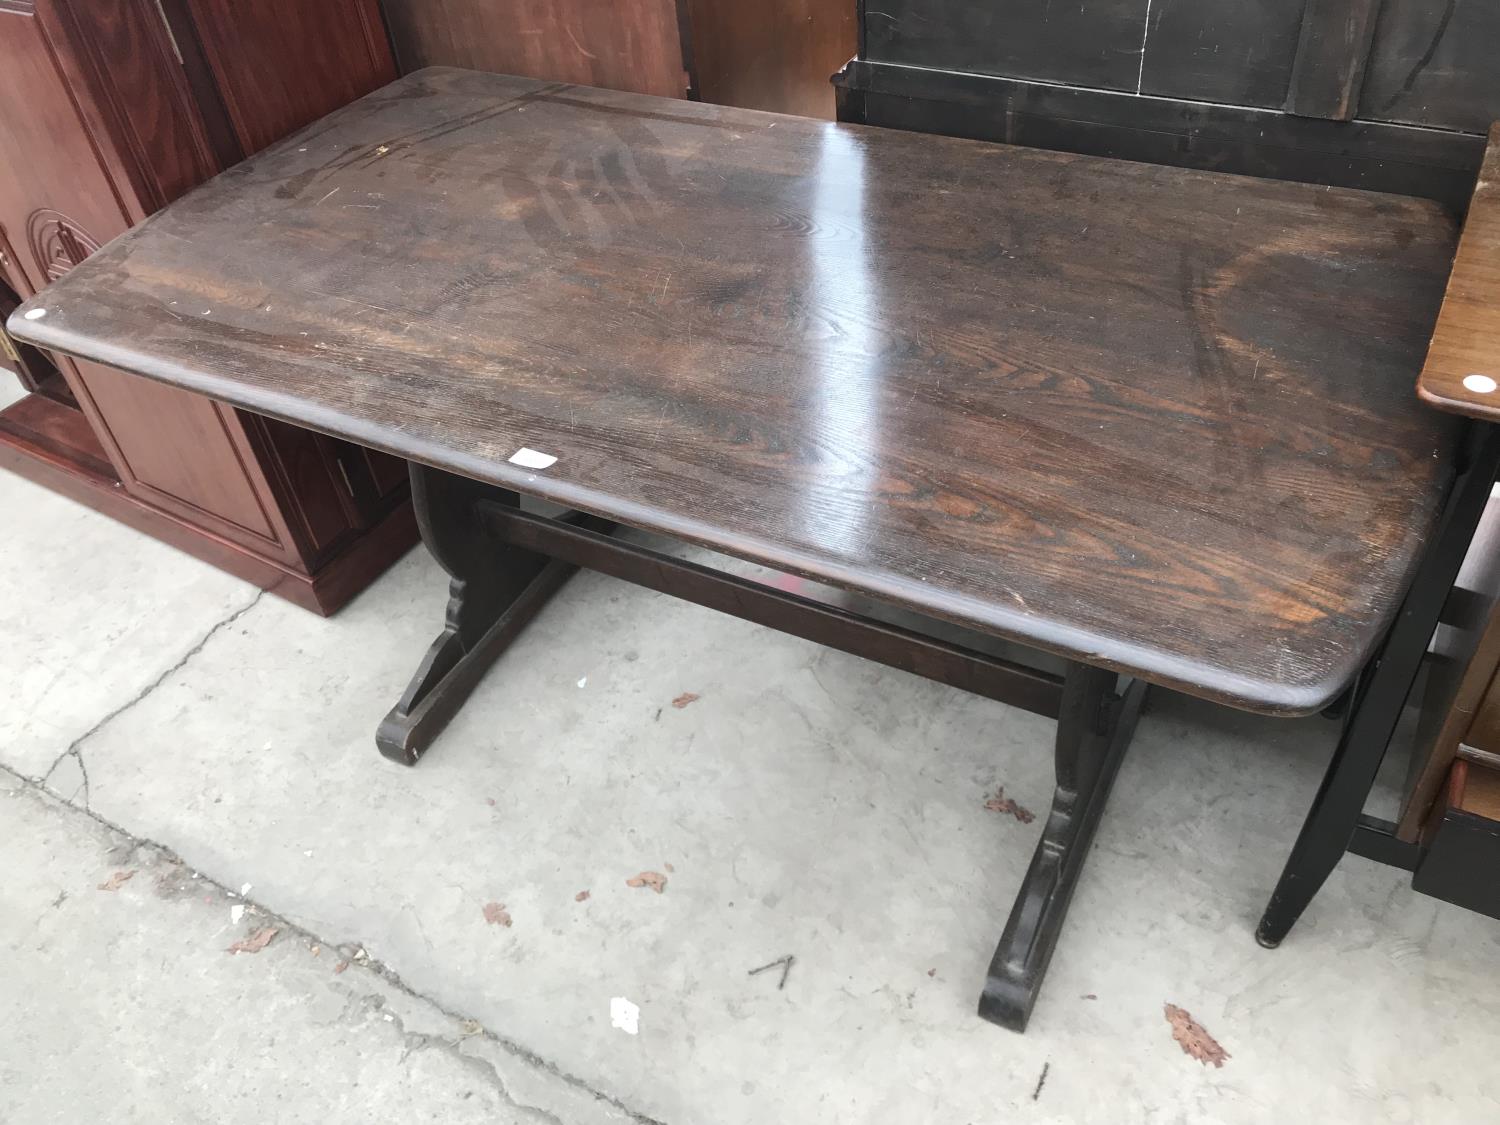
{"points": [[1244, 692], [1485, 198]]}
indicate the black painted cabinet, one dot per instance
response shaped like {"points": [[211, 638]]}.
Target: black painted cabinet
{"points": [[1393, 95]]}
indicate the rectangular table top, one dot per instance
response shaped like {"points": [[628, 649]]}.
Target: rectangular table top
{"points": [[1156, 419]]}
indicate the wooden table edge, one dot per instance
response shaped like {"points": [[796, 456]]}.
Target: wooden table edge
{"points": [[1476, 270], [1248, 693]]}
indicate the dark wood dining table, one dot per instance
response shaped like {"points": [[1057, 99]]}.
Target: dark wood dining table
{"points": [[1155, 422]]}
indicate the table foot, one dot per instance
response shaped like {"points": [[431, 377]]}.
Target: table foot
{"points": [[1093, 731], [496, 590]]}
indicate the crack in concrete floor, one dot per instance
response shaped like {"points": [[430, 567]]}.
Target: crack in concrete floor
{"points": [[415, 1040], [837, 1037], [353, 951], [75, 748]]}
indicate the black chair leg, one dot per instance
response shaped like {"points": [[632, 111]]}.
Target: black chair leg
{"points": [[1378, 702]]}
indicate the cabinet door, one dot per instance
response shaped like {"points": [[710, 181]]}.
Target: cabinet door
{"points": [[58, 203], [330, 490]]}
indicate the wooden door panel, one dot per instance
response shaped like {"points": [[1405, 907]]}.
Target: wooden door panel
{"points": [[316, 494], [775, 55], [125, 55], [54, 197], [170, 470], [57, 205], [320, 62], [389, 474], [633, 45]]}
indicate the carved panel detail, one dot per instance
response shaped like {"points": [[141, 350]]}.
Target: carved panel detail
{"points": [[57, 242]]}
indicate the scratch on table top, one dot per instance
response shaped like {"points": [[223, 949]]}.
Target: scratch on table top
{"points": [[353, 301]]}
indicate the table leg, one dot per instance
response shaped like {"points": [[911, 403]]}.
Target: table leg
{"points": [[1379, 700], [496, 590], [1093, 731]]}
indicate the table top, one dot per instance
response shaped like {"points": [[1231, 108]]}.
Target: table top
{"points": [[1462, 372], [1156, 419]]}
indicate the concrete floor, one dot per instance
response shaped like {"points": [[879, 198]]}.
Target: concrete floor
{"points": [[168, 720]]}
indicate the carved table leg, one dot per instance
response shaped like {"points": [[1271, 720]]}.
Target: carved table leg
{"points": [[496, 590], [1093, 730]]}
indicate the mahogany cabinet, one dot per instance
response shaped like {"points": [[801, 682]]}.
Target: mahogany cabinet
{"points": [[109, 109]]}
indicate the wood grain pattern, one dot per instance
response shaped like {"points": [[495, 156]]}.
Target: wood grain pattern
{"points": [[323, 55], [1466, 341], [631, 45], [1332, 52], [1149, 418], [776, 54], [138, 109], [1433, 63]]}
